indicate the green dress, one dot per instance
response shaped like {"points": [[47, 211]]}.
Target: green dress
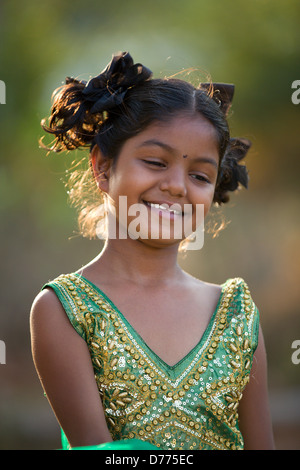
{"points": [[192, 405]]}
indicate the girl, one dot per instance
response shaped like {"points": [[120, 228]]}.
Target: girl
{"points": [[130, 348]]}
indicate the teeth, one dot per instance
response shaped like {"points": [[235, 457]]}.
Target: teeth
{"points": [[165, 207]]}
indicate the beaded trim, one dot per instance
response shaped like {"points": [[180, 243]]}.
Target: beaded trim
{"points": [[196, 410]]}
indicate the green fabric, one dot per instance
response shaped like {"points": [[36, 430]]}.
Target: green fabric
{"points": [[131, 444], [191, 405]]}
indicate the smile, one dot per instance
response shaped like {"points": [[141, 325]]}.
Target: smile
{"points": [[164, 207]]}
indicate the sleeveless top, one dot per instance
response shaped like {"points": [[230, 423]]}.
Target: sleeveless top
{"points": [[191, 405]]}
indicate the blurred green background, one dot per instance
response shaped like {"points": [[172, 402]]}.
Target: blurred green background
{"points": [[254, 44]]}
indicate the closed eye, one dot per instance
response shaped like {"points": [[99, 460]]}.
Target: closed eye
{"points": [[201, 178], [154, 163]]}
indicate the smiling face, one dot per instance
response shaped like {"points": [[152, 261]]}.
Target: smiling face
{"points": [[168, 169]]}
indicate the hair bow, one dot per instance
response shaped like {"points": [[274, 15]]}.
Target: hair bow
{"points": [[231, 173], [108, 89], [222, 93]]}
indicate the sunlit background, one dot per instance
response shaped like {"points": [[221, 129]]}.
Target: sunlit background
{"points": [[254, 44]]}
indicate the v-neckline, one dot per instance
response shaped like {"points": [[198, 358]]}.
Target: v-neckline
{"points": [[140, 339]]}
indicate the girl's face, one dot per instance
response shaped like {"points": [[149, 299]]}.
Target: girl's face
{"points": [[173, 165]]}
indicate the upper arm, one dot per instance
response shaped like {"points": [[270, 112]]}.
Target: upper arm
{"points": [[65, 369], [255, 420]]}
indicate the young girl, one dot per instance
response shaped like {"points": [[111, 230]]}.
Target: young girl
{"points": [[130, 348]]}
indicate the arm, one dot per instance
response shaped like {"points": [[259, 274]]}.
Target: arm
{"points": [[63, 363], [255, 420]]}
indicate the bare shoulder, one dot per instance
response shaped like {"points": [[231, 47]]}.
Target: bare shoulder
{"points": [[48, 320], [46, 307], [202, 296], [46, 300], [210, 290], [213, 289]]}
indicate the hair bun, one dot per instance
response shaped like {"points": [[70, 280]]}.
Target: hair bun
{"points": [[107, 90], [78, 107], [231, 173], [222, 93]]}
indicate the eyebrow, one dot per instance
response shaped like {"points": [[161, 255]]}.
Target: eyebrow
{"points": [[158, 143], [172, 150]]}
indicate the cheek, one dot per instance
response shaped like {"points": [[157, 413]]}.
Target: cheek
{"points": [[202, 206], [124, 177], [205, 197], [209, 200], [206, 206], [120, 182]]}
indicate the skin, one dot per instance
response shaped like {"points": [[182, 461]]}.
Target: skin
{"points": [[151, 168]]}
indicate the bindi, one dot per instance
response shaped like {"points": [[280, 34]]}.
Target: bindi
{"points": [[184, 156]]}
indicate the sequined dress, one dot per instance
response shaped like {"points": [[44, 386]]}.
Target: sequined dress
{"points": [[191, 405]]}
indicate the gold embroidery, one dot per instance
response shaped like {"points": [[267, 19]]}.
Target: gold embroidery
{"points": [[193, 405]]}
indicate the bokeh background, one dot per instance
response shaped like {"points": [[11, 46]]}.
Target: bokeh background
{"points": [[254, 44]]}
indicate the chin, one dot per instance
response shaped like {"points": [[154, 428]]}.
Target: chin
{"points": [[159, 243]]}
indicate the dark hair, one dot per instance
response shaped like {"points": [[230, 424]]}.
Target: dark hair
{"points": [[76, 123]]}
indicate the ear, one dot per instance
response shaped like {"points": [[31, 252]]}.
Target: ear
{"points": [[101, 168], [222, 93]]}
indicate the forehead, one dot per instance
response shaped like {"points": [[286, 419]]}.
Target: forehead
{"points": [[186, 135]]}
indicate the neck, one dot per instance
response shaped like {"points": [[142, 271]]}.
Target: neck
{"points": [[138, 262]]}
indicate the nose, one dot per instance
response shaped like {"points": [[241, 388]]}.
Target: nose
{"points": [[173, 181]]}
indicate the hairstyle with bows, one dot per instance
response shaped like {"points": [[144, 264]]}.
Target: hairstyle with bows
{"points": [[122, 101]]}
